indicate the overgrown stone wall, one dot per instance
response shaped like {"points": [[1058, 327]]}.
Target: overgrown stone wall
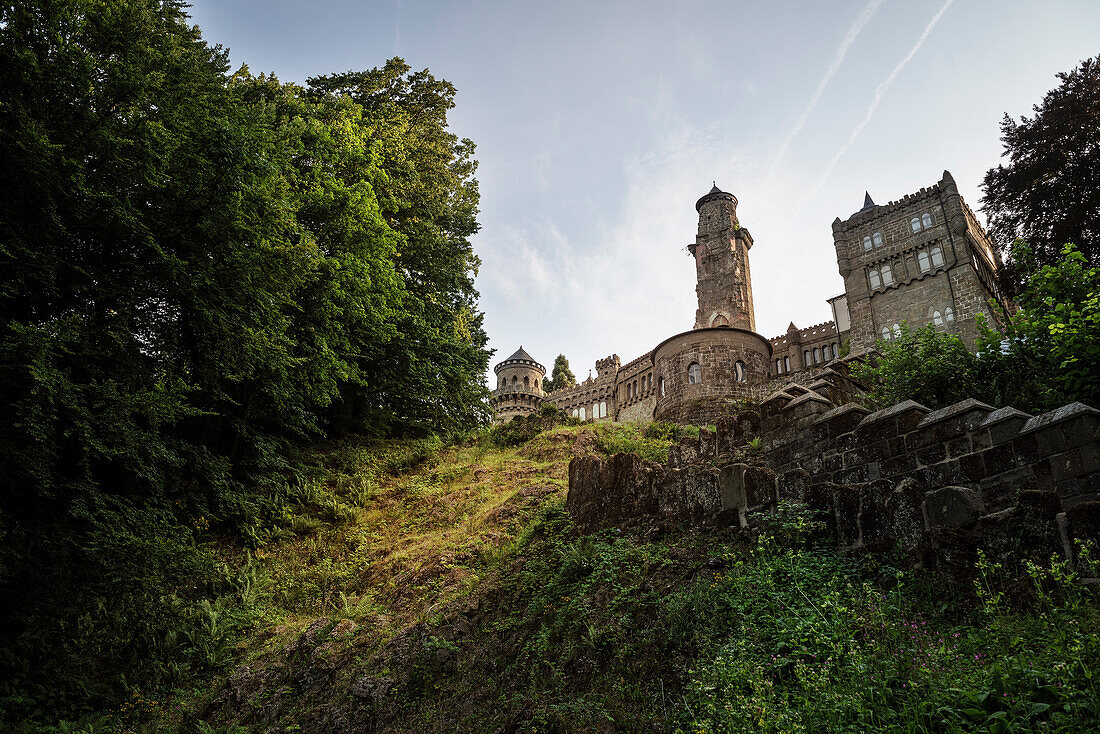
{"points": [[938, 485]]}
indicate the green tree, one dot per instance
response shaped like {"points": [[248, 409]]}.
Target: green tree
{"points": [[926, 365], [560, 376], [197, 270], [1048, 193], [1048, 352], [430, 378]]}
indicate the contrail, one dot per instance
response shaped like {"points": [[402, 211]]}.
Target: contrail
{"points": [[841, 52], [880, 92]]}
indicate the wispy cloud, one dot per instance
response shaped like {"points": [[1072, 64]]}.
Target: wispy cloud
{"points": [[880, 92], [838, 58]]}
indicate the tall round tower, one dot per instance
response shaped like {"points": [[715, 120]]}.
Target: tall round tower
{"points": [[519, 386], [721, 251]]}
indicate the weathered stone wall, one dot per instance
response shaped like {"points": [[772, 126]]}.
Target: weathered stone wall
{"points": [[938, 484]]}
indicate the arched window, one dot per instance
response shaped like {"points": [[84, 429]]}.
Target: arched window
{"points": [[580, 414], [806, 358], [514, 380], [827, 351], [786, 364], [635, 388], [897, 330], [526, 382], [695, 373], [887, 276], [937, 257], [877, 239], [866, 244], [661, 385], [875, 281], [949, 314], [926, 220], [739, 371], [778, 366], [924, 262], [595, 410], [536, 384], [937, 319], [886, 332], [603, 409], [817, 355], [502, 383], [574, 413], [914, 223]]}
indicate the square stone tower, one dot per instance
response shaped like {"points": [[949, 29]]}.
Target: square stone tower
{"points": [[922, 259], [721, 251]]}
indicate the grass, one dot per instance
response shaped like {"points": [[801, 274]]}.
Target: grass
{"points": [[481, 608]]}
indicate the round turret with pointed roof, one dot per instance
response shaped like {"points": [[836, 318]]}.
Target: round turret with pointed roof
{"points": [[519, 386], [520, 358], [713, 194]]}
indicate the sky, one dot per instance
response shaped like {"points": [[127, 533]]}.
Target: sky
{"points": [[599, 124]]}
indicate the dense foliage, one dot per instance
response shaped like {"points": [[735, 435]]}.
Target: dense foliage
{"points": [[560, 376], [1049, 192], [197, 270], [1043, 355]]}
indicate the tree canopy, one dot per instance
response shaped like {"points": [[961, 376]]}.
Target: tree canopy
{"points": [[1048, 194], [197, 270], [560, 376]]}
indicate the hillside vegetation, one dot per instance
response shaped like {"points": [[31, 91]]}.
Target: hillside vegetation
{"points": [[408, 586]]}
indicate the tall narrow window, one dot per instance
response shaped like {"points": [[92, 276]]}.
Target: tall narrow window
{"points": [[875, 281], [580, 413], [739, 371], [937, 257], [897, 330], [603, 409], [661, 385], [887, 276], [526, 383], [695, 373], [778, 366], [827, 351], [926, 220], [924, 262], [817, 355], [949, 314], [786, 364], [886, 332], [595, 410], [877, 239], [574, 413], [806, 358], [937, 319], [914, 224], [635, 388], [866, 244]]}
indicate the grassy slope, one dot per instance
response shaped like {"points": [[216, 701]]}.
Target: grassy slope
{"points": [[453, 595]]}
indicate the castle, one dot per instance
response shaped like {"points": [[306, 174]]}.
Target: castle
{"points": [[923, 259]]}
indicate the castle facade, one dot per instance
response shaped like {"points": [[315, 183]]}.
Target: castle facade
{"points": [[923, 259]]}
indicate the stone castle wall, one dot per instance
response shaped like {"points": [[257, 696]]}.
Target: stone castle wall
{"points": [[938, 485]]}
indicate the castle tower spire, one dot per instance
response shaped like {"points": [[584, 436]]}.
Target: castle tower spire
{"points": [[721, 252]]}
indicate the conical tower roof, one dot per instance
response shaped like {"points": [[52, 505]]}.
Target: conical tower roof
{"points": [[715, 193]]}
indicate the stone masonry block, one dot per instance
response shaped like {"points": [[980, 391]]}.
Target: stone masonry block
{"points": [[953, 507], [1004, 424]]}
